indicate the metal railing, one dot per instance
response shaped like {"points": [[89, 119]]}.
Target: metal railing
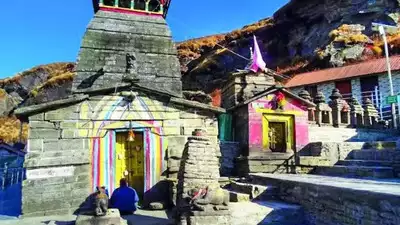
{"points": [[10, 176], [377, 98]]}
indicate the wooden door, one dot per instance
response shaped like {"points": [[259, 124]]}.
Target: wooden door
{"points": [[344, 88], [278, 132], [130, 161], [368, 85], [277, 136]]}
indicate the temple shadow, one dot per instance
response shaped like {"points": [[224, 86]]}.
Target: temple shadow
{"points": [[86, 207], [138, 219], [52, 222], [159, 193]]}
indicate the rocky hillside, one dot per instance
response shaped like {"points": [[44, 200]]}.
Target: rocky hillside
{"points": [[302, 36], [37, 85]]}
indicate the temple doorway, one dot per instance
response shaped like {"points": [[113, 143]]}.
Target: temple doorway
{"points": [[130, 161], [278, 133]]}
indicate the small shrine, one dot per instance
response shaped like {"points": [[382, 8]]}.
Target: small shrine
{"points": [[270, 122]]}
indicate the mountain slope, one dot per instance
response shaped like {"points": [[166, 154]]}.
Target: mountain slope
{"points": [[303, 35]]}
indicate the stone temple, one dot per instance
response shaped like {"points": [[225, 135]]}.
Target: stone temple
{"points": [[267, 155], [125, 114]]}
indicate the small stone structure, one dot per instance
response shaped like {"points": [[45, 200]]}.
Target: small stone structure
{"points": [[112, 217], [199, 169], [370, 113], [270, 122], [244, 85], [323, 112], [311, 110], [356, 113]]}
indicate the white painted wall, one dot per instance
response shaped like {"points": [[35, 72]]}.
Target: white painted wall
{"points": [[384, 86]]}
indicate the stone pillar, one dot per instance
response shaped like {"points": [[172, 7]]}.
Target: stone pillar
{"points": [[199, 170], [336, 105], [311, 110], [356, 113], [370, 113], [323, 112]]}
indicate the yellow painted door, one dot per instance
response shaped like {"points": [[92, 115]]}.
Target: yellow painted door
{"points": [[278, 132], [130, 161]]}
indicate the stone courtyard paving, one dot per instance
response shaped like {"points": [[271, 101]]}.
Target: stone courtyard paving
{"points": [[242, 213], [385, 186], [141, 217]]}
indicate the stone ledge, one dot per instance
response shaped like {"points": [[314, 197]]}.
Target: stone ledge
{"points": [[197, 105], [25, 111]]}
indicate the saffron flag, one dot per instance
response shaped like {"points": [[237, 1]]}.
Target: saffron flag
{"points": [[258, 61]]}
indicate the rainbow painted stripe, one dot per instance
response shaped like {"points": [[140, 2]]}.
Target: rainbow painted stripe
{"points": [[104, 159]]}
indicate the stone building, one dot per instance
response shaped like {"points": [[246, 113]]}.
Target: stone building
{"points": [[367, 79], [125, 118], [269, 122]]}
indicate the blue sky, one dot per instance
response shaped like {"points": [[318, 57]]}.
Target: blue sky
{"points": [[44, 31]]}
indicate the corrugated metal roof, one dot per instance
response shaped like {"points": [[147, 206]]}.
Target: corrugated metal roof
{"points": [[345, 72]]}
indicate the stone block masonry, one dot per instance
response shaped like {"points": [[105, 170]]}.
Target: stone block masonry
{"points": [[199, 168], [344, 201], [229, 152], [118, 46], [59, 159]]}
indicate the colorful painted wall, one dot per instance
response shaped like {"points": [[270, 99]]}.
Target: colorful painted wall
{"points": [[72, 148], [266, 105]]}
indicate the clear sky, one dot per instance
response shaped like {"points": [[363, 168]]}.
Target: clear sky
{"points": [[45, 31]]}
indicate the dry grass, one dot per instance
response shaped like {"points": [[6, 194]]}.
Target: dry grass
{"points": [[192, 48], [10, 128], [250, 29], [296, 66], [54, 81], [53, 69], [3, 93]]}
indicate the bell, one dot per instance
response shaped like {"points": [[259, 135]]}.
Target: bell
{"points": [[131, 136]]}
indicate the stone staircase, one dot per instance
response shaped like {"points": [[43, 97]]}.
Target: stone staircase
{"points": [[258, 204], [374, 160]]}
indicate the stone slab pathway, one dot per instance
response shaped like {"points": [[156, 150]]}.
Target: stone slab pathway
{"points": [[390, 186], [141, 217]]}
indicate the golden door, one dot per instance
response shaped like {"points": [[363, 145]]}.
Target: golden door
{"points": [[130, 161]]}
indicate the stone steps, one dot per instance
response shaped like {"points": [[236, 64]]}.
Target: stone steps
{"points": [[380, 145], [314, 161], [355, 162], [242, 192], [238, 196], [266, 213], [373, 154], [356, 171]]}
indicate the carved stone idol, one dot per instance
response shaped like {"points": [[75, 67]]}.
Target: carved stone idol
{"points": [[130, 63], [199, 199], [100, 202]]}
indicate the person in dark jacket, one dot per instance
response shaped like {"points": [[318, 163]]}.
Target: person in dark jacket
{"points": [[124, 198]]}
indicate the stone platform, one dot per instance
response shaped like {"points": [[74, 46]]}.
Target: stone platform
{"points": [[112, 218], [335, 200], [383, 186]]}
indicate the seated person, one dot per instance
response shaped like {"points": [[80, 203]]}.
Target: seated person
{"points": [[124, 198]]}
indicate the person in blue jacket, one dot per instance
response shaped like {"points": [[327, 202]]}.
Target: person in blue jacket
{"points": [[124, 198]]}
